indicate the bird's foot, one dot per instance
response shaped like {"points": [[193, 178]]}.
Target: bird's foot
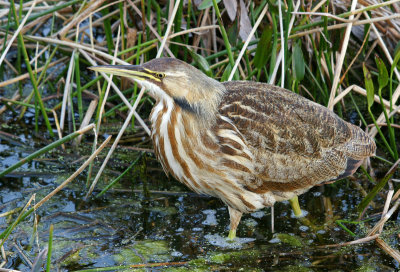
{"points": [[231, 235]]}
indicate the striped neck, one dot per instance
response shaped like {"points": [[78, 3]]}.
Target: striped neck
{"points": [[170, 145]]}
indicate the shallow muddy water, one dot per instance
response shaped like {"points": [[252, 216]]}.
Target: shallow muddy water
{"points": [[151, 223]]}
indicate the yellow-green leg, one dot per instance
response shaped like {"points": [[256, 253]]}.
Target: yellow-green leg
{"points": [[294, 202], [232, 234], [235, 217]]}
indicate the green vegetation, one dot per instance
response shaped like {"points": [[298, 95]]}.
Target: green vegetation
{"points": [[347, 61]]}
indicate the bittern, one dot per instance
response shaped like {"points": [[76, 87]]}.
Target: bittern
{"points": [[248, 143]]}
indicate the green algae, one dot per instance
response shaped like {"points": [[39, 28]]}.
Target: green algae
{"points": [[290, 239], [127, 256], [157, 251]]}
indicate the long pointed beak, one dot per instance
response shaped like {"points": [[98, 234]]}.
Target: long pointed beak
{"points": [[131, 71]]}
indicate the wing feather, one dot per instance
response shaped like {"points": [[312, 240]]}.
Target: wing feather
{"points": [[282, 120], [294, 140]]}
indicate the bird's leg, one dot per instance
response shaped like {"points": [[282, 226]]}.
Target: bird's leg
{"points": [[235, 216], [294, 202]]}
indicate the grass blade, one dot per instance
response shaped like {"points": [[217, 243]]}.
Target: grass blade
{"points": [[45, 149], [49, 248]]}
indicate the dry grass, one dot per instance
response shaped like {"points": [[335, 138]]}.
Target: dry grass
{"points": [[61, 44]]}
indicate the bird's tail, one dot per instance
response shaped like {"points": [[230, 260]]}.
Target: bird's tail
{"points": [[361, 146]]}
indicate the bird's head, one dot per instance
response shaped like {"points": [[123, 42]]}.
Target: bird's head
{"points": [[169, 78]]}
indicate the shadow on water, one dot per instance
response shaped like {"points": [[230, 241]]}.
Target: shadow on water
{"points": [[173, 228]]}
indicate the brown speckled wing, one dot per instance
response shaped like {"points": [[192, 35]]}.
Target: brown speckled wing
{"points": [[282, 121], [294, 139]]}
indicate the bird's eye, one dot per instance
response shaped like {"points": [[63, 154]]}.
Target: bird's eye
{"points": [[160, 75]]}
